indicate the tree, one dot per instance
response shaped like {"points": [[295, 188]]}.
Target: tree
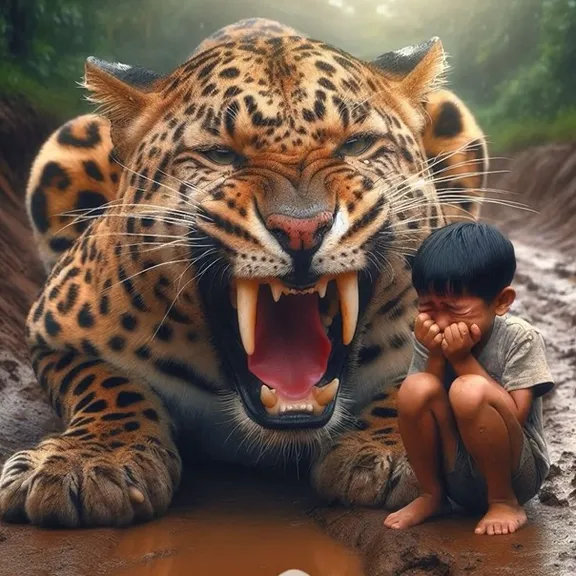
{"points": [[20, 18]]}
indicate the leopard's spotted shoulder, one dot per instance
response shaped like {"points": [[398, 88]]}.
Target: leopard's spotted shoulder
{"points": [[456, 147], [72, 176]]}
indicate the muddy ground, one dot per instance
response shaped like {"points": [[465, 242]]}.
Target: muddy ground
{"points": [[238, 522]]}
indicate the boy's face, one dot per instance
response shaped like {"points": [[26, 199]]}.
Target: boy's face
{"points": [[447, 310]]}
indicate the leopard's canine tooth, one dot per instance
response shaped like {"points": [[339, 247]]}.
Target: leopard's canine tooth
{"points": [[277, 288], [347, 285], [268, 396], [327, 393], [322, 285], [246, 304]]}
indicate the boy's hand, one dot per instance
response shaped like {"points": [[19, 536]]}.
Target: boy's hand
{"points": [[427, 332], [459, 340]]}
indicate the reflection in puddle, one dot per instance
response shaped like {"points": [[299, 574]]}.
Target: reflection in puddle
{"points": [[235, 523], [219, 546]]}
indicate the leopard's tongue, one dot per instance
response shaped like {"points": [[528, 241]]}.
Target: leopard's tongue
{"points": [[291, 347]]}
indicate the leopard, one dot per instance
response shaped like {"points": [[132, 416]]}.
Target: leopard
{"points": [[228, 253]]}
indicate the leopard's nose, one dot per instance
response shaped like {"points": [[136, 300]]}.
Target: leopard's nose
{"points": [[300, 234]]}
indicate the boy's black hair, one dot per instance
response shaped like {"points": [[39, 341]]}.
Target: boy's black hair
{"points": [[468, 258]]}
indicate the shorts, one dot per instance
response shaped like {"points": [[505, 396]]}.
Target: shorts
{"points": [[466, 487]]}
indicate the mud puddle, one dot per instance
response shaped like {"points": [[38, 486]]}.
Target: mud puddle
{"points": [[226, 521], [222, 544], [242, 523]]}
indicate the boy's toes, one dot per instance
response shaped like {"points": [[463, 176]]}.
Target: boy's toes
{"points": [[393, 521], [480, 528]]}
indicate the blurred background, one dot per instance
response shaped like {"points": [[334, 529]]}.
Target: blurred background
{"points": [[513, 61]]}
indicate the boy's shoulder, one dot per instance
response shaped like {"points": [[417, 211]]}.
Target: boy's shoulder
{"points": [[513, 332], [521, 353], [517, 327]]}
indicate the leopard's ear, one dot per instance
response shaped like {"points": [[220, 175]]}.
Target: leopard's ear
{"points": [[122, 93], [119, 89], [418, 69]]}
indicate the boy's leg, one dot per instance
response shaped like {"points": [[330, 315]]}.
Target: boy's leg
{"points": [[493, 436], [428, 432]]}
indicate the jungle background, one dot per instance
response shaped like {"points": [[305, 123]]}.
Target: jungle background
{"points": [[513, 61]]}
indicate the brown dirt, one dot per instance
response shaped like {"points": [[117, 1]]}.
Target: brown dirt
{"points": [[230, 521], [22, 132]]}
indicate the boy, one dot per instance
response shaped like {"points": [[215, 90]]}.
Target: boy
{"points": [[470, 409]]}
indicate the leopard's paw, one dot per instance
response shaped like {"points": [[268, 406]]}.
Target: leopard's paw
{"points": [[69, 482], [364, 471]]}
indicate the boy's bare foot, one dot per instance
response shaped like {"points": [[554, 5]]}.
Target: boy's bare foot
{"points": [[502, 518], [415, 513]]}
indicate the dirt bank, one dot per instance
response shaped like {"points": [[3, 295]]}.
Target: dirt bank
{"points": [[544, 179], [229, 521]]}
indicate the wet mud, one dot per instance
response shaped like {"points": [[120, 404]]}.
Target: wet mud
{"points": [[224, 522], [227, 520]]}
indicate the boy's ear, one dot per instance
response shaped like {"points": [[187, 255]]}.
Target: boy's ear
{"points": [[504, 300]]}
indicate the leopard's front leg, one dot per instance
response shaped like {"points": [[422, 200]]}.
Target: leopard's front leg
{"points": [[115, 464], [368, 466]]}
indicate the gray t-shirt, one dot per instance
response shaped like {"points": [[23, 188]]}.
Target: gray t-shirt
{"points": [[515, 357]]}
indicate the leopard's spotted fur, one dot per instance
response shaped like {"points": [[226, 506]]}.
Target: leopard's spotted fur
{"points": [[126, 336]]}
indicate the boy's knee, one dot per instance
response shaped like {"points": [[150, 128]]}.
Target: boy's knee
{"points": [[468, 394], [418, 390]]}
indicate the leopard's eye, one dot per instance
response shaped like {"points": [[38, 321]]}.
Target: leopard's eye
{"points": [[222, 156], [356, 145]]}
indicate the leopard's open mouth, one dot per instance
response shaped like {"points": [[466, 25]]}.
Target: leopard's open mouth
{"points": [[290, 346]]}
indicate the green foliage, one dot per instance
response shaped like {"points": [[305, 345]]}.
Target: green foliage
{"points": [[511, 60], [512, 135], [537, 102], [43, 50], [52, 96]]}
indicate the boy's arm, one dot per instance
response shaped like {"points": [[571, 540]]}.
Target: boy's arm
{"points": [[526, 373], [523, 400], [436, 365], [424, 361]]}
